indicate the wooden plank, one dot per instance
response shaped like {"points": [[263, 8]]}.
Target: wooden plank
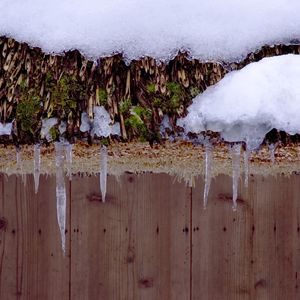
{"points": [[252, 253], [276, 244], [221, 243], [31, 263], [135, 246]]}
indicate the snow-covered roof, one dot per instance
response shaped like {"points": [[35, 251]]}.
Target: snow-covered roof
{"points": [[215, 29], [247, 104]]}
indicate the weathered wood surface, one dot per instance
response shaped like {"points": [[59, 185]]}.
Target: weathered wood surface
{"points": [[151, 240]]}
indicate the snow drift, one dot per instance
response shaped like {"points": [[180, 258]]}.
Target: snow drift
{"points": [[246, 104]]}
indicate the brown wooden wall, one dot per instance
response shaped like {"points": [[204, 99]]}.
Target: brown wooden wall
{"points": [[151, 240]]}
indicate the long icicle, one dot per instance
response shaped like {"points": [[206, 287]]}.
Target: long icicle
{"points": [[69, 158], [208, 173], [36, 166], [236, 155], [246, 166], [61, 199], [103, 171]]}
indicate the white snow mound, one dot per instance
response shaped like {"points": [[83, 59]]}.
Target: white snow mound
{"points": [[215, 29], [247, 104]]}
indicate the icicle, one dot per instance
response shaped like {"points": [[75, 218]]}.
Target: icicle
{"points": [[272, 148], [37, 167], [18, 158], [208, 173], [69, 149], [236, 153], [103, 171], [61, 199], [246, 166]]}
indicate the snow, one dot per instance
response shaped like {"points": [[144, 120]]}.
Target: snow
{"points": [[216, 29], [247, 104]]}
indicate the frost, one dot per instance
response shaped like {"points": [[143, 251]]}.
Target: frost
{"points": [[208, 173], [220, 30], [47, 124], [245, 105], [5, 129], [61, 199], [103, 171], [236, 155], [37, 166]]}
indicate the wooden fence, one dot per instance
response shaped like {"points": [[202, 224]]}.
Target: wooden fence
{"points": [[151, 240]]}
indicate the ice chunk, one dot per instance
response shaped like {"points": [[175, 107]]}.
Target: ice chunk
{"points": [[235, 153], [62, 127], [37, 166], [61, 198], [47, 124], [103, 171], [85, 122], [116, 129], [219, 30], [208, 173], [247, 104], [101, 124], [5, 129]]}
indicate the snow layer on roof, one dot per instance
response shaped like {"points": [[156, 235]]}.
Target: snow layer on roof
{"points": [[247, 104], [215, 29]]}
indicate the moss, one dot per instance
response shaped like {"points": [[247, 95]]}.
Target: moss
{"points": [[102, 97], [173, 88], [105, 141], [124, 106], [158, 102], [135, 123], [54, 133], [64, 93], [142, 112], [175, 96], [27, 111], [194, 91], [151, 88]]}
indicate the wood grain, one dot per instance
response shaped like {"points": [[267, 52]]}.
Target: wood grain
{"points": [[135, 246], [32, 266], [151, 240]]}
